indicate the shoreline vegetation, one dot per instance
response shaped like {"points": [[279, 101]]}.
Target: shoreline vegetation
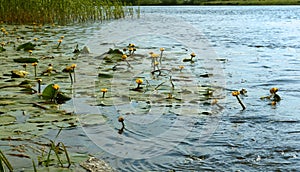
{"points": [[62, 12], [213, 2]]}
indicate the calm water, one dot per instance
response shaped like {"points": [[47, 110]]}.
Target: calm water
{"points": [[255, 48]]}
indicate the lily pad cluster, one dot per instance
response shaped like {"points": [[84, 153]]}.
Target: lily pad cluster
{"points": [[32, 88], [146, 80]]}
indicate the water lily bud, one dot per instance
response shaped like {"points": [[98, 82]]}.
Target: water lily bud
{"points": [[139, 81]]}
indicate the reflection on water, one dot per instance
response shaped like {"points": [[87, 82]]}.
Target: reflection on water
{"points": [[243, 47]]}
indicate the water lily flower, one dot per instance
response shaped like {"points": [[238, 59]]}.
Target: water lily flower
{"points": [[275, 97], [30, 52], [34, 65], [35, 39], [103, 90], [139, 81], [55, 86], [193, 55], [273, 90], [121, 119], [70, 70], [161, 54], [236, 94], [124, 57], [59, 43], [181, 67], [62, 37], [39, 81], [2, 44], [131, 45]]}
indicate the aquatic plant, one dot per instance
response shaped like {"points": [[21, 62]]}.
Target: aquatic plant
{"points": [[192, 55], [180, 68], [139, 81], [274, 97], [103, 90], [60, 12], [34, 66], [124, 57], [161, 54], [59, 43], [236, 94], [39, 81], [70, 70], [4, 160], [121, 120]]}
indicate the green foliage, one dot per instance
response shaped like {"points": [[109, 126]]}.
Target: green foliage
{"points": [[52, 94], [61, 12], [4, 160], [49, 92], [26, 60], [26, 46]]}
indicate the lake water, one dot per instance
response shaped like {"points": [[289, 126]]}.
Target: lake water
{"points": [[251, 47]]}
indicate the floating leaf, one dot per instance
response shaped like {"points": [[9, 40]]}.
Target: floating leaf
{"points": [[26, 60], [7, 119], [49, 92], [26, 46]]}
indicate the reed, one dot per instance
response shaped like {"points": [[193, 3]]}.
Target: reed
{"points": [[61, 12]]}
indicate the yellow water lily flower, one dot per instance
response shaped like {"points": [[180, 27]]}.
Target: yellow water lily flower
{"points": [[104, 90], [193, 54], [273, 90], [124, 56], [162, 49], [35, 39], [55, 86], [34, 64], [59, 41], [153, 55], [139, 81], [30, 51], [62, 37], [181, 67], [73, 66], [235, 93]]}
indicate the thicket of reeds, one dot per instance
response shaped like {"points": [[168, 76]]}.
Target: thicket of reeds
{"points": [[60, 11]]}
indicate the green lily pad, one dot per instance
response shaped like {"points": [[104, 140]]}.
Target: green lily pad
{"points": [[26, 46], [105, 75], [49, 92], [7, 119], [26, 60]]}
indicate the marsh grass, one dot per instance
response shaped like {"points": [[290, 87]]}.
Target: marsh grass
{"points": [[61, 12], [4, 160]]}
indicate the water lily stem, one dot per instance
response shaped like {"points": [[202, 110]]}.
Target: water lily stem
{"points": [[34, 71], [241, 103], [71, 78]]}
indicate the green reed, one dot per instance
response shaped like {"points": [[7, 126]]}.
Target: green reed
{"points": [[61, 11]]}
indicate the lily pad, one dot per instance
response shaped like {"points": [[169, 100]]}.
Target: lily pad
{"points": [[26, 60], [49, 92], [26, 46], [7, 119], [92, 119]]}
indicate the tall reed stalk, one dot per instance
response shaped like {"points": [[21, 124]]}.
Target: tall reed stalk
{"points": [[60, 11]]}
